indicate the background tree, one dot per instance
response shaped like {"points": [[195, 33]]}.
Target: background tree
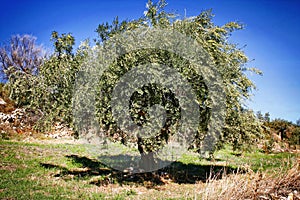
{"points": [[44, 84], [106, 30], [55, 81], [298, 122], [259, 115], [63, 44], [21, 55], [267, 117], [288, 131], [295, 137], [281, 127], [20, 61]]}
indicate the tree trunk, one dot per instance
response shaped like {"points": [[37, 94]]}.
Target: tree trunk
{"points": [[147, 162]]}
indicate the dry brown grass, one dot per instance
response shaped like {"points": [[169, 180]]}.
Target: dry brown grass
{"points": [[231, 187], [255, 186], [250, 185]]}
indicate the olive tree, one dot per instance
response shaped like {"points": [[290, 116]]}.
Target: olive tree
{"points": [[52, 95], [241, 126]]}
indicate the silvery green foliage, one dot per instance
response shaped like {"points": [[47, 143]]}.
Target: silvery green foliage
{"points": [[230, 61], [50, 91], [153, 87], [58, 76]]}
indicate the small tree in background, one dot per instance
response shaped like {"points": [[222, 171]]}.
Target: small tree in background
{"points": [[295, 137], [22, 55], [267, 117], [288, 131], [298, 122], [55, 81], [43, 84], [20, 60]]}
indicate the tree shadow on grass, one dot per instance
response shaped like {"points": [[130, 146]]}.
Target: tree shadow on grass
{"points": [[177, 172]]}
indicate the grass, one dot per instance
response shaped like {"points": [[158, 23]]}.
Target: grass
{"points": [[254, 160], [64, 171], [23, 175]]}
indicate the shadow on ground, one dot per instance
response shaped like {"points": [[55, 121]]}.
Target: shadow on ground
{"points": [[177, 172]]}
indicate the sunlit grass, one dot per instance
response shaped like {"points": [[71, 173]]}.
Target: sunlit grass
{"points": [[48, 171]]}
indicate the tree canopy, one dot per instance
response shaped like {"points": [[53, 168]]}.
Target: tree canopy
{"points": [[241, 125]]}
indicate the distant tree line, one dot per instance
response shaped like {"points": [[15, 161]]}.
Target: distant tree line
{"points": [[287, 131]]}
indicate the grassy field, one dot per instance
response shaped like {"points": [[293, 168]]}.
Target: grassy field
{"points": [[64, 171]]}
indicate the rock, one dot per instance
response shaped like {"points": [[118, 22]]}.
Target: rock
{"points": [[2, 102], [17, 121], [60, 131]]}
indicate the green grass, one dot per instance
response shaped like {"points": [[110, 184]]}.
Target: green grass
{"points": [[64, 171], [256, 160], [23, 177]]}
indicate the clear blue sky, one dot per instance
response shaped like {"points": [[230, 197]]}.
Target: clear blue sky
{"points": [[271, 34]]}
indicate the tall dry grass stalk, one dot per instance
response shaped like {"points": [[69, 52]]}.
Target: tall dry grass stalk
{"points": [[255, 185]]}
